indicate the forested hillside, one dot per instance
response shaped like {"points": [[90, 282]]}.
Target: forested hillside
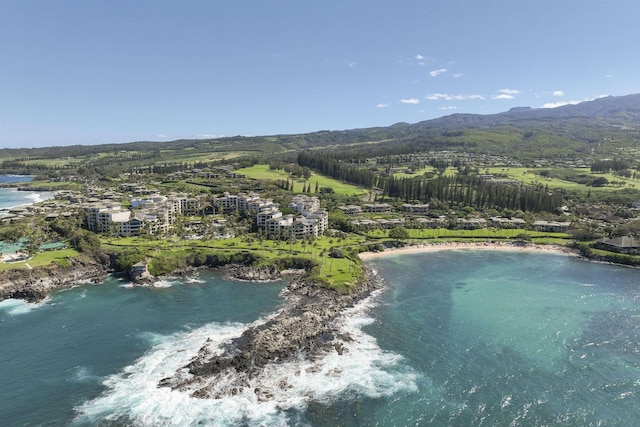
{"points": [[605, 127]]}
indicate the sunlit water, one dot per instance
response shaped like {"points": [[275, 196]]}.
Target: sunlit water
{"points": [[455, 338], [11, 197]]}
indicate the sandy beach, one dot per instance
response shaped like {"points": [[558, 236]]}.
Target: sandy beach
{"points": [[448, 246]]}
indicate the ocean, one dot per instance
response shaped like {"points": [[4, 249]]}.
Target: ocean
{"points": [[11, 197], [457, 338]]}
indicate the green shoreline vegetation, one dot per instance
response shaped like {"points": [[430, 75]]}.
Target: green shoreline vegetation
{"points": [[485, 178]]}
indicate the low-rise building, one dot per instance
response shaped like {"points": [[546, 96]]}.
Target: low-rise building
{"points": [[351, 209], [501, 222], [472, 223], [377, 207], [415, 209], [552, 226], [623, 244]]}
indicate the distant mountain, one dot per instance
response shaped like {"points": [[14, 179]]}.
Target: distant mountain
{"points": [[616, 108], [608, 126]]}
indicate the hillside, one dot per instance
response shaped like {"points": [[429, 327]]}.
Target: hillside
{"points": [[604, 127]]}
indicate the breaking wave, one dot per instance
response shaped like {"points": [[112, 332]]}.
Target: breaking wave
{"points": [[133, 396], [15, 307]]}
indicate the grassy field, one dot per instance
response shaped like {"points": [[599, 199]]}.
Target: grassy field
{"points": [[338, 272], [44, 258], [529, 176], [480, 234], [263, 172], [55, 186], [190, 156], [450, 171]]}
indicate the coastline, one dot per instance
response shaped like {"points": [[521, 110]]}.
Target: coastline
{"points": [[303, 326], [450, 246]]}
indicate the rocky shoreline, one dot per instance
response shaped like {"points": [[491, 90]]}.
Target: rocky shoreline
{"points": [[304, 326], [35, 285]]}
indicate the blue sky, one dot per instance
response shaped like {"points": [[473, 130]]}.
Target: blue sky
{"points": [[93, 72]]}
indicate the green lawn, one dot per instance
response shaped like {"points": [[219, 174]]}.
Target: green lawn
{"points": [[481, 234], [263, 172], [189, 156], [529, 176], [42, 259], [338, 272]]}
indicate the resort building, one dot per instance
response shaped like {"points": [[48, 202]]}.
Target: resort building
{"points": [[415, 209], [552, 226], [100, 217], [377, 207], [266, 215], [471, 223], [351, 209], [302, 203], [623, 244], [501, 222]]}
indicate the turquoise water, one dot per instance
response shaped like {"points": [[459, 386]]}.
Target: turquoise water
{"points": [[11, 197], [521, 339], [460, 338], [56, 355]]}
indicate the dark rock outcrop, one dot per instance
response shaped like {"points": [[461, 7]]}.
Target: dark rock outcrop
{"points": [[304, 325], [34, 285], [254, 274]]}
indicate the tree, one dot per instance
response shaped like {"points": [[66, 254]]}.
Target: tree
{"points": [[599, 182], [83, 240], [398, 233]]}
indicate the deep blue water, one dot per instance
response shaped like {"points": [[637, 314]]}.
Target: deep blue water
{"points": [[460, 338]]}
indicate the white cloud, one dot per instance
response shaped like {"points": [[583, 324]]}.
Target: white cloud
{"points": [[450, 107], [383, 105], [209, 136], [457, 75], [419, 57], [506, 94], [559, 104], [352, 64], [448, 97], [558, 93], [436, 96], [436, 73], [410, 101], [162, 136], [572, 102]]}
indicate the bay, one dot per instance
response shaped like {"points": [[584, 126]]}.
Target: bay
{"points": [[461, 338], [56, 355], [11, 197]]}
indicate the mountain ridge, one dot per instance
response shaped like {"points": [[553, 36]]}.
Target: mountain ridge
{"points": [[562, 131]]}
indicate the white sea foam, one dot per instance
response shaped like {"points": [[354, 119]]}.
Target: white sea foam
{"points": [[164, 283], [364, 369], [84, 374], [17, 306], [159, 284]]}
